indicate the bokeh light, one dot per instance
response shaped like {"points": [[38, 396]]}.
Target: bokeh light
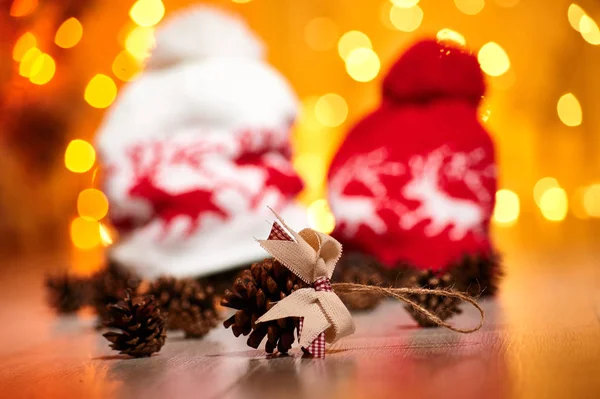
{"points": [[22, 8], [23, 44], [79, 156], [331, 110], [507, 209], [493, 59], [92, 204], [106, 235], [569, 110], [307, 120], [320, 216], [406, 19], [320, 34], [85, 234], [147, 12], [554, 204], [362, 64], [574, 14], [42, 70], [69, 33], [352, 40], [241, 1], [312, 168], [140, 41], [405, 3], [101, 91], [576, 203], [384, 14], [447, 34], [470, 7], [591, 200], [28, 60], [589, 30], [126, 67], [543, 185]]}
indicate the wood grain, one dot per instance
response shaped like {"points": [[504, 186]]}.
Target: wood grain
{"points": [[541, 339]]}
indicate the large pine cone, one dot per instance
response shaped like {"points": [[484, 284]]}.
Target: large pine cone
{"points": [[477, 275], [143, 327], [355, 267], [442, 306], [67, 294], [109, 286], [253, 294]]}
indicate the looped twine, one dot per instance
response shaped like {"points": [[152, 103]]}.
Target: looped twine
{"points": [[402, 295]]}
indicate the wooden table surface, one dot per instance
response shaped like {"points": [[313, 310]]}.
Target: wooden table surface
{"points": [[541, 339]]}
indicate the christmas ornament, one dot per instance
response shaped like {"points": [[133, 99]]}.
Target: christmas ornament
{"points": [[143, 329], [442, 306], [414, 182], [254, 292], [196, 147], [109, 286], [313, 308], [356, 267], [66, 293]]}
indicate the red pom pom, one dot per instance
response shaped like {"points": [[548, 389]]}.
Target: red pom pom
{"points": [[432, 69]]}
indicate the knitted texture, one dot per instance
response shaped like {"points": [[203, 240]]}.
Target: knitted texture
{"points": [[414, 182]]}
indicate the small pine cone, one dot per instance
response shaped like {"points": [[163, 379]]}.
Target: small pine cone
{"points": [[195, 310], [109, 286], [355, 267], [477, 275], [442, 306], [253, 294], [67, 294], [401, 275], [169, 292], [143, 327]]}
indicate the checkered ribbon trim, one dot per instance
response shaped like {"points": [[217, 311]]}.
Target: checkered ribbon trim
{"points": [[310, 255], [278, 233], [317, 347]]}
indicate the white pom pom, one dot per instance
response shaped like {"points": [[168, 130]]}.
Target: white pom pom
{"points": [[200, 32]]}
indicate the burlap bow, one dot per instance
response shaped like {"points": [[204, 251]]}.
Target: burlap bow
{"points": [[311, 256]]}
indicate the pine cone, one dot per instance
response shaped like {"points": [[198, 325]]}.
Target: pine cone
{"points": [[169, 292], [355, 267], [477, 275], [67, 294], [142, 325], [195, 310], [253, 294], [442, 306], [109, 287]]}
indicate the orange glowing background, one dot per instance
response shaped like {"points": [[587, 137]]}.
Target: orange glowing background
{"points": [[540, 59]]}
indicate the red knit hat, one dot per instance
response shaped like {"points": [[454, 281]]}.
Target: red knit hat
{"points": [[415, 180]]}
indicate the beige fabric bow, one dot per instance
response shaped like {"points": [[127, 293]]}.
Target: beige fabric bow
{"points": [[311, 256]]}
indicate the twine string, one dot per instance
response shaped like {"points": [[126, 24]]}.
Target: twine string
{"points": [[402, 295]]}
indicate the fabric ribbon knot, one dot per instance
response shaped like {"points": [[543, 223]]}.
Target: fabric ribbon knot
{"points": [[312, 256]]}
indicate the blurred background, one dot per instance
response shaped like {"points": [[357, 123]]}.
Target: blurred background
{"points": [[62, 63]]}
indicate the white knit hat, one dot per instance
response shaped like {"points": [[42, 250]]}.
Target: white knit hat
{"points": [[197, 148]]}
